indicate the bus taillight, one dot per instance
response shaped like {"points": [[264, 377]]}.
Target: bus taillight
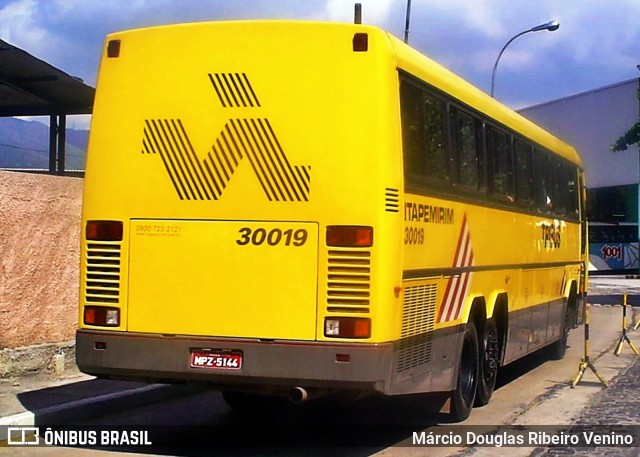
{"points": [[349, 236], [101, 316], [347, 327], [104, 230]]}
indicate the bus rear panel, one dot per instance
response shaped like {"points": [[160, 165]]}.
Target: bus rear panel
{"points": [[252, 204]]}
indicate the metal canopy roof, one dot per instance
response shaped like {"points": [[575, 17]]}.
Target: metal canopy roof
{"points": [[32, 87]]}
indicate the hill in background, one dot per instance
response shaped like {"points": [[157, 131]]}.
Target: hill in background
{"points": [[25, 144]]}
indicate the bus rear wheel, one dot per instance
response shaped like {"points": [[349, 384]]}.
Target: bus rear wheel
{"points": [[489, 362], [462, 398]]}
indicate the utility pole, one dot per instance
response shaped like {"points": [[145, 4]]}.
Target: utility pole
{"points": [[407, 20]]}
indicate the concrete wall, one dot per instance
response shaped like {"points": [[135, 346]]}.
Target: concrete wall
{"points": [[39, 261], [592, 122]]}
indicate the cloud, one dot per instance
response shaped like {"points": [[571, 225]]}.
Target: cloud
{"points": [[596, 44], [601, 32], [482, 16], [18, 24]]}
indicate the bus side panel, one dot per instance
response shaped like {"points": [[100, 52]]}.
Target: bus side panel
{"points": [[424, 357], [455, 252]]}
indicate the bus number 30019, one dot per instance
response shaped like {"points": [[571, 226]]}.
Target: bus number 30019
{"points": [[413, 235], [272, 237]]}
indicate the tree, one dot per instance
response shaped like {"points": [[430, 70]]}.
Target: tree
{"points": [[631, 137]]}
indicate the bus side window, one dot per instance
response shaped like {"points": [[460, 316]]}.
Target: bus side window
{"points": [[573, 204], [500, 165], [423, 136], [524, 173], [566, 190], [465, 134], [413, 135], [436, 135], [543, 189]]}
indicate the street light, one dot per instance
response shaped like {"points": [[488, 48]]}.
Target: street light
{"points": [[550, 26]]}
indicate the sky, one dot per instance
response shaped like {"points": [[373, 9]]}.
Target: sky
{"points": [[597, 44]]}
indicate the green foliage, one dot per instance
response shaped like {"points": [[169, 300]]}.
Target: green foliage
{"points": [[632, 136]]}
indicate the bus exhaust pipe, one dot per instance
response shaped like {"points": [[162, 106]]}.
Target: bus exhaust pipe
{"points": [[298, 395], [302, 394]]}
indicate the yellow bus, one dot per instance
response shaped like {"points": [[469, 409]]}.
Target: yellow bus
{"points": [[298, 208]]}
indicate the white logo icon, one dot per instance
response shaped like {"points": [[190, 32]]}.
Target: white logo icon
{"points": [[23, 436]]}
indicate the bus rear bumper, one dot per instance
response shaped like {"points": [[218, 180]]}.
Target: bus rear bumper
{"points": [[270, 365]]}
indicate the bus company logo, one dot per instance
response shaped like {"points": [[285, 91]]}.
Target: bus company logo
{"points": [[253, 139], [551, 235]]}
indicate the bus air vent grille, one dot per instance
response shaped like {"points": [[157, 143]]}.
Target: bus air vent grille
{"points": [[348, 281], [102, 275], [392, 200], [418, 319]]}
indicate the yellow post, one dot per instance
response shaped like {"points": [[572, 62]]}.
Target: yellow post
{"points": [[623, 336], [586, 363]]}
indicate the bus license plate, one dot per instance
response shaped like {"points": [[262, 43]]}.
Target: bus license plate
{"points": [[216, 360]]}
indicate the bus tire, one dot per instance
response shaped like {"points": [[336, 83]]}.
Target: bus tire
{"points": [[463, 397], [489, 362]]}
